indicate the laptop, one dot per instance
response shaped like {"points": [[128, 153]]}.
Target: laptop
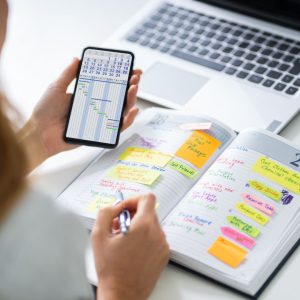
{"points": [[237, 61]]}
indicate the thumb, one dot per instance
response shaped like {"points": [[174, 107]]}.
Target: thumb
{"points": [[67, 76], [105, 218]]}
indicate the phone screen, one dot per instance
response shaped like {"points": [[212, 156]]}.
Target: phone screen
{"points": [[100, 93]]}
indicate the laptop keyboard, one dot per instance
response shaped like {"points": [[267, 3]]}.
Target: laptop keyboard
{"points": [[260, 57]]}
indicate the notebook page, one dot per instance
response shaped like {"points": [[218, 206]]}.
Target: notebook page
{"points": [[237, 210], [146, 161]]}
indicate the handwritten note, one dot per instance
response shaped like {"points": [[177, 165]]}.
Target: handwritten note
{"points": [[198, 148], [238, 237], [183, 168], [243, 226], [252, 213], [259, 204], [227, 252], [100, 202], [146, 156], [223, 174], [265, 190], [134, 174], [278, 173]]}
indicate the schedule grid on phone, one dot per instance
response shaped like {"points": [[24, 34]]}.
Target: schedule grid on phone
{"points": [[98, 102]]}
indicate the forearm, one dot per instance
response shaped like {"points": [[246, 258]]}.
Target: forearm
{"points": [[29, 139]]}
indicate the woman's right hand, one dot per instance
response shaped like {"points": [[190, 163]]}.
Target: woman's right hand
{"points": [[129, 266]]}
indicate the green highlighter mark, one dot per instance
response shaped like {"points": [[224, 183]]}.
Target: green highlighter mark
{"points": [[265, 190], [243, 226]]}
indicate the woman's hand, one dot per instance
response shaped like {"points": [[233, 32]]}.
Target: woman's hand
{"points": [[50, 114], [44, 131], [129, 266]]}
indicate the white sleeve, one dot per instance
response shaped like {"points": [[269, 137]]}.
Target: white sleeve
{"points": [[42, 253]]}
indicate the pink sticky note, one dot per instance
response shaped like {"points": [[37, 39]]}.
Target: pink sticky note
{"points": [[259, 204], [238, 237]]}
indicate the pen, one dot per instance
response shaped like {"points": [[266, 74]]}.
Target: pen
{"points": [[124, 217]]}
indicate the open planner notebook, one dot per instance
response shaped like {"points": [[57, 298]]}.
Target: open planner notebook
{"points": [[229, 205]]}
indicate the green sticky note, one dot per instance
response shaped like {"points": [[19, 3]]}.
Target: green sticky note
{"points": [[243, 226], [265, 190], [183, 168]]}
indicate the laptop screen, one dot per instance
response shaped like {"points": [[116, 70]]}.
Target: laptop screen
{"points": [[284, 12]]}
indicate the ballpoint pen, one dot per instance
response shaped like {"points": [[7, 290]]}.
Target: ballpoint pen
{"points": [[124, 217]]}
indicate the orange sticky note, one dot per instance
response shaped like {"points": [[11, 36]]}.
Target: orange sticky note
{"points": [[227, 252], [198, 148]]}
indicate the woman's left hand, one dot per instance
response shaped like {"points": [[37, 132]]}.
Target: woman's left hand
{"points": [[50, 114]]}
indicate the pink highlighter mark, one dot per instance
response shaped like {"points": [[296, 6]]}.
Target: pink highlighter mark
{"points": [[238, 237], [259, 204]]}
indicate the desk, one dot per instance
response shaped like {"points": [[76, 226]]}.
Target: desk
{"points": [[43, 37]]}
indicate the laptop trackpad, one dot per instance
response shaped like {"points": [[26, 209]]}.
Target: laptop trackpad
{"points": [[171, 83]]}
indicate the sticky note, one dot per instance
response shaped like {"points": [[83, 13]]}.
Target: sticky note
{"points": [[238, 237], [252, 213], [278, 173], [100, 202], [146, 156], [265, 190], [263, 206], [198, 148], [183, 168], [243, 226], [134, 174], [227, 252]]}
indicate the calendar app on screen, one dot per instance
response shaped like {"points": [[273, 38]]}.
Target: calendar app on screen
{"points": [[99, 96]]}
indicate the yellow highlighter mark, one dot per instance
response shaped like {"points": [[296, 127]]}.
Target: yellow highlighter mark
{"points": [[146, 156], [134, 174], [278, 173], [198, 148], [227, 252], [100, 202], [252, 213]]}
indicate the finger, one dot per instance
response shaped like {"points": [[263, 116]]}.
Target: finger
{"points": [[67, 76], [146, 205], [106, 217], [115, 224], [135, 79], [131, 98], [137, 72], [129, 118]]}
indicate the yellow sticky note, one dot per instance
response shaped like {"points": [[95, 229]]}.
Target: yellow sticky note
{"points": [[146, 156], [198, 148], [134, 174], [183, 168], [278, 173], [228, 252], [100, 202], [252, 213]]}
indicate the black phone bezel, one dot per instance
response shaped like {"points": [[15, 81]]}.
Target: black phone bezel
{"points": [[89, 142]]}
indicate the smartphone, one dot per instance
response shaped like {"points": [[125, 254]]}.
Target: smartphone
{"points": [[98, 102]]}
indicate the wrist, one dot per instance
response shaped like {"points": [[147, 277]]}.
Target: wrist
{"points": [[30, 139], [115, 292]]}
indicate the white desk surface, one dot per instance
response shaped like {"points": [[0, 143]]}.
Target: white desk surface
{"points": [[43, 37]]}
